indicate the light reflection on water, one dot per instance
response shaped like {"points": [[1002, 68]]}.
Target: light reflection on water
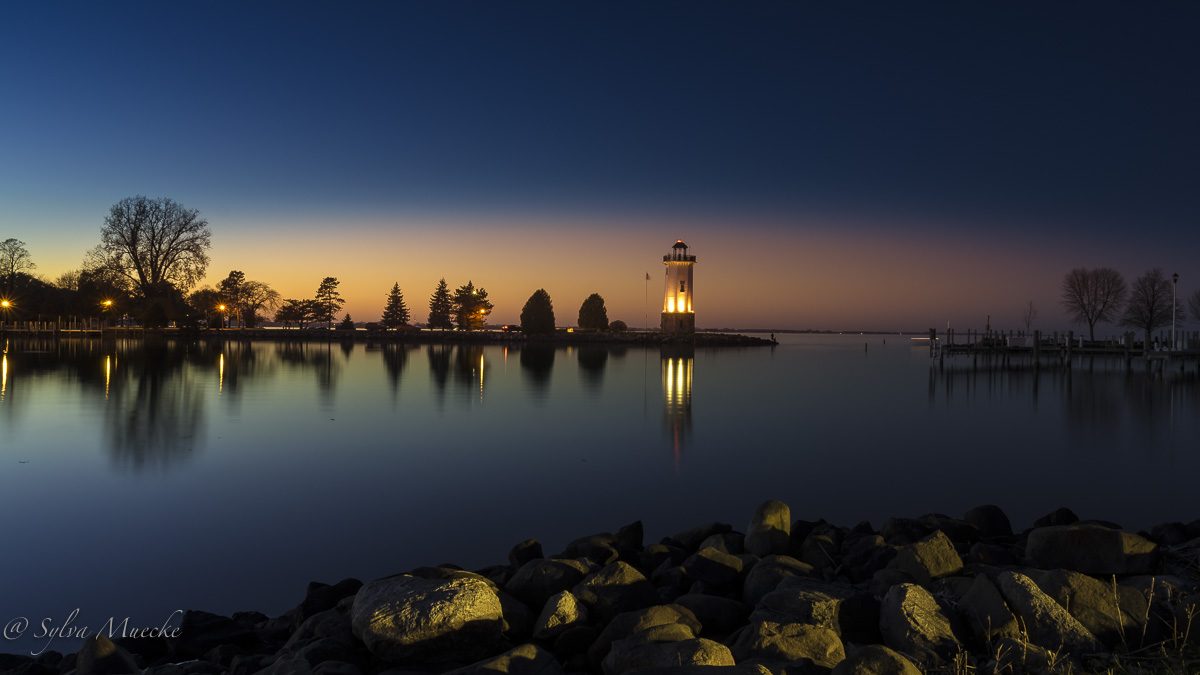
{"points": [[226, 476]]}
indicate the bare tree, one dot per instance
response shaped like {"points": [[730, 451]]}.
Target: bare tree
{"points": [[1093, 296], [1194, 305], [68, 281], [1028, 314], [14, 259], [257, 295], [155, 243], [1150, 303]]}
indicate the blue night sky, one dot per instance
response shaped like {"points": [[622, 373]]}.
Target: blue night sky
{"points": [[833, 165]]}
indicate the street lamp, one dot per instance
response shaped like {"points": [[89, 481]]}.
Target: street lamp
{"points": [[222, 308], [1174, 286]]}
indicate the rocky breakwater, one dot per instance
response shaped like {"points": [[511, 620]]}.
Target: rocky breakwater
{"points": [[928, 594]]}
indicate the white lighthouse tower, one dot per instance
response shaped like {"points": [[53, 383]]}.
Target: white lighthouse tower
{"points": [[677, 315]]}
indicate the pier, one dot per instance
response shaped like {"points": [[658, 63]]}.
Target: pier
{"points": [[1060, 349]]}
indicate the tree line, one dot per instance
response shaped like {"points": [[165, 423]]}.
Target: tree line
{"points": [[1100, 295], [153, 252]]}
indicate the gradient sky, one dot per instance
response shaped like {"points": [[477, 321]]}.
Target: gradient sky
{"points": [[834, 165]]}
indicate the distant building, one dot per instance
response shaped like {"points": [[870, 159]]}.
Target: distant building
{"points": [[677, 315]]}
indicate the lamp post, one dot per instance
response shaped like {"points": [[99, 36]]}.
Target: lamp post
{"points": [[1174, 286], [222, 308]]}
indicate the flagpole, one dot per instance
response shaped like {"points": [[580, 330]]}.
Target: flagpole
{"points": [[646, 318]]}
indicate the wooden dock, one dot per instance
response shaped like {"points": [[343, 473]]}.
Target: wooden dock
{"points": [[995, 348]]}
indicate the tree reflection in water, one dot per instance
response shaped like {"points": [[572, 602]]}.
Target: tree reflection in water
{"points": [[592, 361], [536, 363], [154, 415]]}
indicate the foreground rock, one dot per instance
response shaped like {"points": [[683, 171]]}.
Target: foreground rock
{"points": [[933, 594], [1048, 623], [409, 619], [1091, 549]]}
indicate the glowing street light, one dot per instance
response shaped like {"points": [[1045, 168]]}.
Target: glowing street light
{"points": [[222, 308]]}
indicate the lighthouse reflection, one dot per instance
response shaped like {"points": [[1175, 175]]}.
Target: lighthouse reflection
{"points": [[676, 368]]}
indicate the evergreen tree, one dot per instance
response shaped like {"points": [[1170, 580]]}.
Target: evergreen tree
{"points": [[537, 316], [395, 312], [439, 307], [471, 307], [592, 313], [328, 301], [347, 323]]}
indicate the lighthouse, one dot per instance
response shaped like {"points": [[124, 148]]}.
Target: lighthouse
{"points": [[677, 315]]}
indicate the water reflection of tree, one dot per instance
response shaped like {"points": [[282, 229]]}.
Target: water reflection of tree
{"points": [[469, 367], [153, 410], [237, 361], [395, 358], [592, 361], [315, 358], [439, 367], [154, 413], [537, 361]]}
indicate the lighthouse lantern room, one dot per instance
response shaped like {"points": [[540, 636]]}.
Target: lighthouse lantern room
{"points": [[677, 315]]}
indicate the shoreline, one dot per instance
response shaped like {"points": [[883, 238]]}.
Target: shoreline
{"points": [[784, 597], [406, 337]]}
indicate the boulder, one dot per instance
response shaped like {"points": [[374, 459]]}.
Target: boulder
{"points": [[1111, 612], [770, 529], [336, 668], [320, 597], [712, 566], [327, 624], [201, 631], [616, 588], [1061, 516], [773, 641], [627, 624], [718, 615], [931, 558], [728, 542], [526, 659], [959, 531], [99, 655], [875, 660], [1091, 549], [535, 581], [819, 550], [985, 612], [633, 654], [654, 555], [575, 640], [864, 555], [689, 540], [407, 618], [562, 611], [990, 520], [904, 531], [631, 536], [1045, 621], [912, 622], [287, 665], [766, 574], [518, 618], [706, 670], [530, 549], [849, 612], [599, 548]]}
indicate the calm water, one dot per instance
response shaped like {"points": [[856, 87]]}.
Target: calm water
{"points": [[135, 480]]}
